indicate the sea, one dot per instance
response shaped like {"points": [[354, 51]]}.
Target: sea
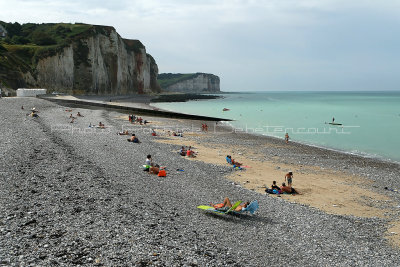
{"points": [[367, 123]]}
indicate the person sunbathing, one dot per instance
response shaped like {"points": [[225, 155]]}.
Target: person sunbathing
{"points": [[101, 125], [154, 169], [288, 189], [226, 205], [177, 134], [79, 114], [133, 139], [123, 133], [230, 160], [34, 114]]}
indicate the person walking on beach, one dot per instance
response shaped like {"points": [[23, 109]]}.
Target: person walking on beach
{"points": [[287, 138], [289, 178]]}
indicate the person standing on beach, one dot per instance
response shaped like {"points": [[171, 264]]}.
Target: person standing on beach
{"points": [[289, 178], [287, 138]]}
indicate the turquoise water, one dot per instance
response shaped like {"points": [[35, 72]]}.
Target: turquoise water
{"points": [[370, 120]]}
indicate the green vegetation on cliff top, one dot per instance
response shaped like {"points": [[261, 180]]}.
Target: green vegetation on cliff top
{"points": [[26, 44]]}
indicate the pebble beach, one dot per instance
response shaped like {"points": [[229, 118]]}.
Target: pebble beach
{"points": [[73, 195]]}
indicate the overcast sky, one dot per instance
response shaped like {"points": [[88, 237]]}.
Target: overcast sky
{"points": [[252, 45]]}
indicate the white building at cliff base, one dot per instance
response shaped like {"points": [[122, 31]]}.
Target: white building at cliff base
{"points": [[23, 92]]}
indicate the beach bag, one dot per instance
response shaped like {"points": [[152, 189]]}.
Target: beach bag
{"points": [[162, 173]]}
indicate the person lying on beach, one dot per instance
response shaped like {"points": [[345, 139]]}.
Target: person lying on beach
{"points": [[71, 117], [177, 134], [72, 120], [153, 133], [68, 110], [78, 114], [226, 205], [101, 125], [33, 114], [123, 133], [288, 189], [154, 169], [133, 139]]}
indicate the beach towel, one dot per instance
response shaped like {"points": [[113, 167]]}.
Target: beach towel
{"points": [[162, 173]]}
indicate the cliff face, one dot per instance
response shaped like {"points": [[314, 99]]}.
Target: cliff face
{"points": [[97, 61], [189, 83]]}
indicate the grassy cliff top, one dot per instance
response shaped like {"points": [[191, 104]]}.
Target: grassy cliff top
{"points": [[25, 44]]}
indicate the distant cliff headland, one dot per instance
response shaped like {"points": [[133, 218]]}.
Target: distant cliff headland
{"points": [[189, 83], [74, 59]]}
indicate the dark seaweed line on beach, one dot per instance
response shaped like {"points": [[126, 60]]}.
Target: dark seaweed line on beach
{"points": [[150, 112]]}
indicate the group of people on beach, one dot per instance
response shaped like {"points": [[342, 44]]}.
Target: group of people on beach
{"points": [[283, 189], [187, 152], [72, 117], [136, 119], [154, 168]]}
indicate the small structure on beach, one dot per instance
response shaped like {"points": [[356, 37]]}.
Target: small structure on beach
{"points": [[23, 92]]}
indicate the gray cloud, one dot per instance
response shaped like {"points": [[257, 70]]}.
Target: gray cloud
{"points": [[251, 45]]}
